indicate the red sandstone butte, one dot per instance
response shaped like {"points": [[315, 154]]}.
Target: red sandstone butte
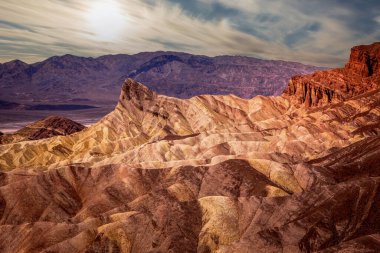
{"points": [[360, 74]]}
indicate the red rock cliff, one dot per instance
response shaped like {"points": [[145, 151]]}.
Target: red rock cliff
{"points": [[361, 74], [364, 60]]}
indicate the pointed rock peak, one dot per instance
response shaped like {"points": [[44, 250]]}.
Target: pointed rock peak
{"points": [[133, 90]]}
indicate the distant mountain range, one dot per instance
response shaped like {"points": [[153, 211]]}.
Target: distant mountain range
{"points": [[71, 79]]}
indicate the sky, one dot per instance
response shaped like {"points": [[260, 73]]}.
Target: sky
{"points": [[317, 32]]}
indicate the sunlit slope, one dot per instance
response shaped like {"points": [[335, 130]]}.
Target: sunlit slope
{"points": [[147, 129]]}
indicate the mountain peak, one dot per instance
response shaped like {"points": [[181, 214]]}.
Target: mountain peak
{"points": [[133, 90], [136, 94]]}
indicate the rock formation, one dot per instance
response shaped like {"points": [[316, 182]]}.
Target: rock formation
{"points": [[205, 174], [45, 128], [361, 74], [365, 60]]}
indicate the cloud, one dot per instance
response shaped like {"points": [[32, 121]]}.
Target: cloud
{"points": [[315, 32], [377, 19], [7, 24], [301, 34]]}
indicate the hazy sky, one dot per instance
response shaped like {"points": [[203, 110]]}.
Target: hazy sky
{"points": [[319, 32]]}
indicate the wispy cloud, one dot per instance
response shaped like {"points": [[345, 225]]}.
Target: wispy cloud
{"points": [[316, 32]]}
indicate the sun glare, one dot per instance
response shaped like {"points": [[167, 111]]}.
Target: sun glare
{"points": [[105, 19]]}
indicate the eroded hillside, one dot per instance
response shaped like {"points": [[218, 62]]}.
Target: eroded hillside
{"points": [[205, 174]]}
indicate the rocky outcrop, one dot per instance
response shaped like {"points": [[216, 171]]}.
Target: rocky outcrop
{"points": [[45, 128], [135, 93], [361, 74], [132, 90], [365, 60]]}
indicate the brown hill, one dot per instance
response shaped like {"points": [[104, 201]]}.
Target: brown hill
{"points": [[205, 174], [44, 128]]}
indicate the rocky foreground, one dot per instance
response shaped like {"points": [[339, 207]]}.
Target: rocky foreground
{"points": [[205, 174]]}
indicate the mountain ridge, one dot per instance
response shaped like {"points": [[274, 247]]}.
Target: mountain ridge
{"points": [[60, 78]]}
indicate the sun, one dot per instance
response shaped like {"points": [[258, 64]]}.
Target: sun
{"points": [[106, 20]]}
